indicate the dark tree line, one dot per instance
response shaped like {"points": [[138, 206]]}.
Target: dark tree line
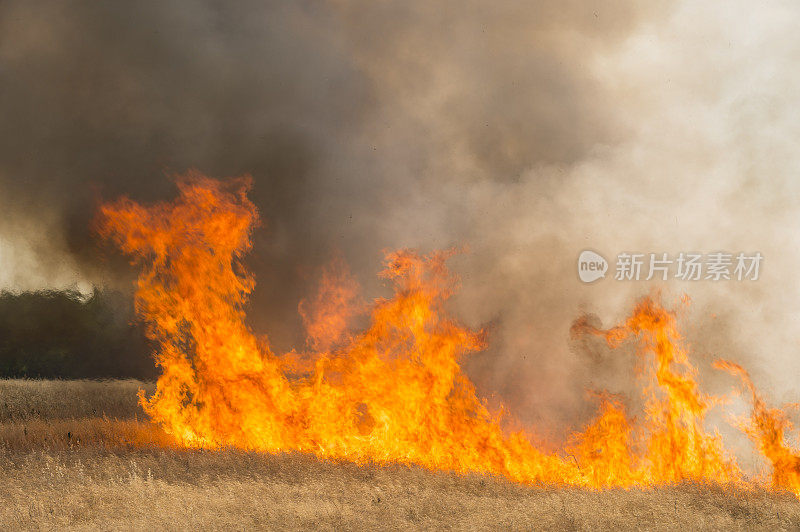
{"points": [[64, 334]]}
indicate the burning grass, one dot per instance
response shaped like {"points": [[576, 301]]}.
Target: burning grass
{"points": [[84, 472], [394, 392], [373, 428]]}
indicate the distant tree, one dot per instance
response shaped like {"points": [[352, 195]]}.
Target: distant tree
{"points": [[65, 334]]}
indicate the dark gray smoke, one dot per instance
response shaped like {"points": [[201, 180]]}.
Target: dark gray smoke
{"points": [[528, 131]]}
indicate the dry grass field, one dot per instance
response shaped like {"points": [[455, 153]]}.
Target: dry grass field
{"points": [[77, 455]]}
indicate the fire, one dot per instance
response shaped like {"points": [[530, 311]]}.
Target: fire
{"points": [[395, 391], [767, 428]]}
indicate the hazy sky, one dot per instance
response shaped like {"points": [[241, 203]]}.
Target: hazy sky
{"points": [[527, 131]]}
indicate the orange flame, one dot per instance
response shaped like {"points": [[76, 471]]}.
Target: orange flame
{"points": [[678, 446], [767, 428], [327, 317], [394, 392]]}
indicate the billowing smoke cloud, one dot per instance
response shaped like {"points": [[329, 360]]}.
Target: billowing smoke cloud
{"points": [[527, 131]]}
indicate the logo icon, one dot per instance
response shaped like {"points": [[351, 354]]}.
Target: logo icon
{"points": [[591, 266]]}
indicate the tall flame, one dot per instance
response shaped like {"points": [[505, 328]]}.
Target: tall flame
{"points": [[394, 392], [767, 428]]}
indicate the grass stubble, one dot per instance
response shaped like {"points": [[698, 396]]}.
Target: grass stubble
{"points": [[81, 455]]}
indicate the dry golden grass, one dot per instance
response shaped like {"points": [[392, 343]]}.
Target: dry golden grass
{"points": [[72, 471], [22, 399]]}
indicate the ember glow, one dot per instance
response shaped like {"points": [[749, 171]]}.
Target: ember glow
{"points": [[395, 391]]}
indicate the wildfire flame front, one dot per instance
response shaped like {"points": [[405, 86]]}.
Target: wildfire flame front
{"points": [[396, 391]]}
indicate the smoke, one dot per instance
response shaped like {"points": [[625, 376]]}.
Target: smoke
{"points": [[527, 132]]}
